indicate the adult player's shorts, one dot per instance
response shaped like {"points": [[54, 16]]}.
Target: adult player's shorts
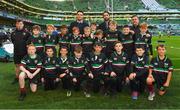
{"points": [[18, 58]]}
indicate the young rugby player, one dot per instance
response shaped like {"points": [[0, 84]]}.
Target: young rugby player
{"points": [[78, 67], [37, 40], [160, 72], [87, 42], [97, 62], [144, 39], [118, 63], [64, 36], [63, 70], [111, 36], [75, 39], [99, 38], [30, 68], [51, 40], [93, 27], [127, 40], [138, 72], [50, 72]]}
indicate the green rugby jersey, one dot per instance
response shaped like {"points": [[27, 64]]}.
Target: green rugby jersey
{"points": [[31, 64]]}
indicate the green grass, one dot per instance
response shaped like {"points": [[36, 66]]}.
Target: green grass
{"points": [[57, 99]]}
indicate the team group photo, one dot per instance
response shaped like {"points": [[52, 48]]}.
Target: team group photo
{"points": [[88, 54]]}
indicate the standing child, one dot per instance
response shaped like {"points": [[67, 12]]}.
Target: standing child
{"points": [[37, 40], [93, 27], [99, 38], [51, 39], [144, 39], [160, 72], [87, 42], [75, 39], [127, 40], [50, 72], [64, 36], [138, 72], [30, 68], [111, 36], [64, 75]]}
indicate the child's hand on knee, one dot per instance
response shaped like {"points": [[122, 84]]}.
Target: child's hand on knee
{"points": [[74, 80], [132, 76]]}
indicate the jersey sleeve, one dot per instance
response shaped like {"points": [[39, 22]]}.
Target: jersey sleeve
{"points": [[70, 67], [23, 61], [170, 68], [105, 61], [146, 62], [151, 66], [110, 63], [39, 64], [132, 65]]}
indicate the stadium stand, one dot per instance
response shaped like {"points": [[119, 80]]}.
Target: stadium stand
{"points": [[86, 5], [153, 5]]}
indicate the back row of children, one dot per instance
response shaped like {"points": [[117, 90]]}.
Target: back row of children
{"points": [[95, 61]]}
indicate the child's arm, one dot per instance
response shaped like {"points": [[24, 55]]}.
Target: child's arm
{"points": [[170, 69], [25, 71], [151, 68], [106, 66], [166, 84], [36, 72]]}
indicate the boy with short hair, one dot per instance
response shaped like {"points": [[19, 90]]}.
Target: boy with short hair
{"points": [[50, 72], [99, 38], [78, 67], [144, 39], [63, 70], [87, 41], [75, 39], [127, 40], [93, 27], [37, 40], [138, 72], [160, 72], [51, 39], [118, 63], [64, 36], [30, 68], [111, 36], [98, 68]]}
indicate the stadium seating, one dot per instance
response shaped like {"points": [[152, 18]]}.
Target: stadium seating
{"points": [[153, 5], [86, 5]]}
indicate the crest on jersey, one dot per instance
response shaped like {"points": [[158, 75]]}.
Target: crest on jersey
{"points": [[155, 63], [35, 61], [39, 41], [24, 33], [28, 61], [165, 65], [100, 60], [115, 58], [53, 61], [124, 58]]}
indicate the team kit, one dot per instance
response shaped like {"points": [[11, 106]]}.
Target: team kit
{"points": [[93, 61]]}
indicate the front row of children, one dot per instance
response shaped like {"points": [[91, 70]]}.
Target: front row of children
{"points": [[96, 72]]}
